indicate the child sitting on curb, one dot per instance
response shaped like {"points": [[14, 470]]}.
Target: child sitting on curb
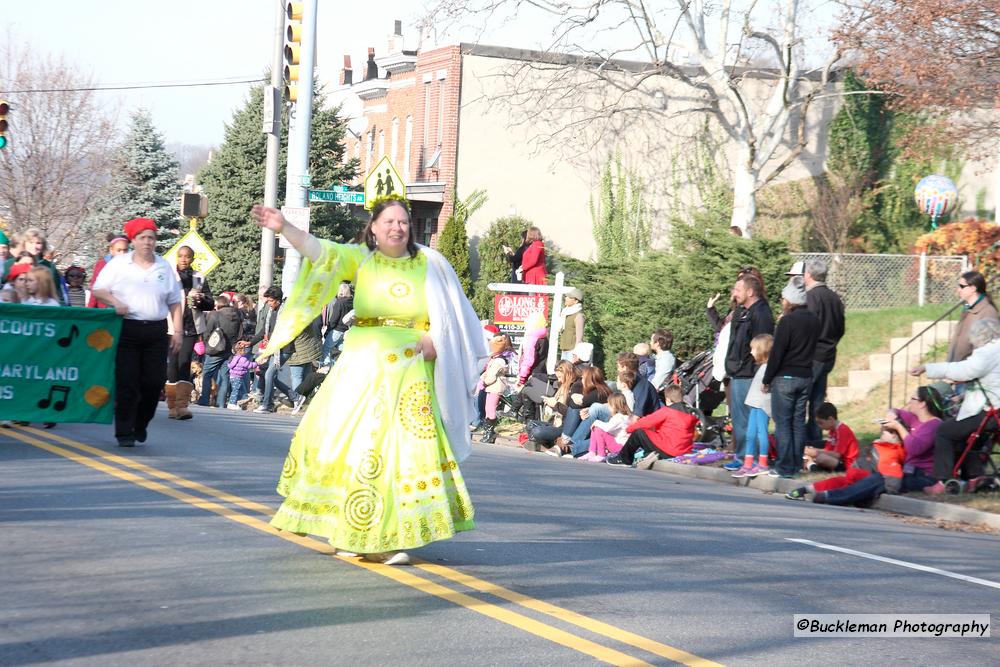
{"points": [[609, 436], [668, 432], [841, 449]]}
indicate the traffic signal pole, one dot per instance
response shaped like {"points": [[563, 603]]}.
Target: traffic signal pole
{"points": [[272, 127], [299, 137]]}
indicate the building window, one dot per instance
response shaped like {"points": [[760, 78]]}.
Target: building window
{"points": [[426, 228], [407, 146], [394, 138], [424, 141], [440, 136]]}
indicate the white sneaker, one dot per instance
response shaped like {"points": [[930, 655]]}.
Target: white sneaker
{"points": [[299, 402], [261, 410], [233, 406]]}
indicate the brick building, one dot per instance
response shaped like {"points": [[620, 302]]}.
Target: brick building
{"points": [[410, 113]]}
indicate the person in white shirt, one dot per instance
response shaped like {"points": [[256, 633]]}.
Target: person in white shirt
{"points": [[142, 287]]}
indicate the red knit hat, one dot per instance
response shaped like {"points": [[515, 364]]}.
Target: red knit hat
{"points": [[136, 226], [492, 328], [17, 270]]}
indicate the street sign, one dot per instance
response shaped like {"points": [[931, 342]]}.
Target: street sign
{"points": [[383, 181], [297, 216], [337, 196], [205, 260], [339, 188]]}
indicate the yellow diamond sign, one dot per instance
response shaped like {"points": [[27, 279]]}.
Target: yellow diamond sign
{"points": [[204, 259], [383, 181]]}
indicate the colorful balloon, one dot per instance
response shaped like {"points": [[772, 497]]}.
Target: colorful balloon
{"points": [[935, 195]]}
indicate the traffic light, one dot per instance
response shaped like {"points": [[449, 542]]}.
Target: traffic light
{"points": [[293, 50], [194, 205], [4, 108]]}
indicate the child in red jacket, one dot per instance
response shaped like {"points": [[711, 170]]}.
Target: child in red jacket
{"points": [[841, 449], [668, 432]]}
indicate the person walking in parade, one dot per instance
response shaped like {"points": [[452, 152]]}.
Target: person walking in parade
{"points": [[117, 245], [373, 466], [78, 295], [142, 287], [34, 243]]}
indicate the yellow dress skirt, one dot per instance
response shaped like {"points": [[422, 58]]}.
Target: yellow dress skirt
{"points": [[370, 466]]}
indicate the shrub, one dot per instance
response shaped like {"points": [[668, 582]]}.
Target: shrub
{"points": [[974, 237], [494, 267]]}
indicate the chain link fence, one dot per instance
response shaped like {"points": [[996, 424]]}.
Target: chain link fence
{"points": [[867, 282]]}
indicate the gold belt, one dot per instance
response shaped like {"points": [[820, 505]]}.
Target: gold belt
{"points": [[400, 323]]}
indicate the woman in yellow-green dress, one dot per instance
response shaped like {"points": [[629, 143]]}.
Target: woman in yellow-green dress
{"points": [[373, 465]]}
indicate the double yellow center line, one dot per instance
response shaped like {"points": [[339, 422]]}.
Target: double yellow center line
{"points": [[229, 506]]}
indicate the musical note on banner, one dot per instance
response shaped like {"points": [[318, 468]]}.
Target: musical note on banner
{"points": [[66, 340], [60, 403]]}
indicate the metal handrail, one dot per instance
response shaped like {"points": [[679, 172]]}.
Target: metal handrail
{"points": [[906, 346]]}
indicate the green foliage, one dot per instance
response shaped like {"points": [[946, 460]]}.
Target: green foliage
{"points": [[625, 301], [494, 267], [144, 185], [868, 140], [234, 182], [454, 241], [621, 224]]}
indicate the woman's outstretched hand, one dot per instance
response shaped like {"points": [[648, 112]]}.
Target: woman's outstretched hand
{"points": [[268, 218]]}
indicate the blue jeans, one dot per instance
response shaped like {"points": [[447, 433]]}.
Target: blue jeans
{"points": [[866, 490], [789, 396], [332, 340], [214, 365], [270, 373], [739, 412], [757, 444], [237, 388], [581, 436], [817, 394]]}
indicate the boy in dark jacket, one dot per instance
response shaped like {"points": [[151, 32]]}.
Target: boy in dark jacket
{"points": [[222, 329]]}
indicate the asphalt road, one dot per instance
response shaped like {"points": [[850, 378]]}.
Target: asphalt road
{"points": [[162, 556]]}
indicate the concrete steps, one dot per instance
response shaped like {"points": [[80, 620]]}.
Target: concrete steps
{"points": [[861, 382]]}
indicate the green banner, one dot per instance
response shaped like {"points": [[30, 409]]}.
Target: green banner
{"points": [[57, 364]]}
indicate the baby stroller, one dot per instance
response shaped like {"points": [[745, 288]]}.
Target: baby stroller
{"points": [[704, 393]]}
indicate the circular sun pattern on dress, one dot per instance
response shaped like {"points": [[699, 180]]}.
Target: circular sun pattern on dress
{"points": [[400, 290], [290, 467], [363, 508], [370, 466], [416, 411]]}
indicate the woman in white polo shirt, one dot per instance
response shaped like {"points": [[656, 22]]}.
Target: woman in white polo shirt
{"points": [[142, 287]]}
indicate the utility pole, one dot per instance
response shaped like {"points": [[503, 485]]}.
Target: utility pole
{"points": [[272, 127], [297, 179]]}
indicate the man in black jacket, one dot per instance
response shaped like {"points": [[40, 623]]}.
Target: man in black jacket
{"points": [[222, 329], [828, 307], [752, 317]]}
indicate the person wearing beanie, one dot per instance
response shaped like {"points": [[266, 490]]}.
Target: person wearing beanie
{"points": [[789, 376], [143, 288], [4, 247]]}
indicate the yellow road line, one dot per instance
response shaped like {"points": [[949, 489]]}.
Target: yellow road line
{"points": [[511, 618], [154, 472], [567, 616]]}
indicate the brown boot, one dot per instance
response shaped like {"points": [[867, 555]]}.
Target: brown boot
{"points": [[170, 391], [182, 398]]}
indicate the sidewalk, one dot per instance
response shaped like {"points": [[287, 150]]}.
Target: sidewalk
{"points": [[890, 503]]}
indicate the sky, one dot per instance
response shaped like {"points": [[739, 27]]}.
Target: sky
{"points": [[155, 41], [160, 41]]}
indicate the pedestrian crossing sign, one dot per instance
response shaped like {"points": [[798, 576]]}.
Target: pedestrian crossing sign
{"points": [[383, 181], [205, 260]]}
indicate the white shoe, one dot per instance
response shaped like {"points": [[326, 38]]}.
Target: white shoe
{"points": [[388, 558], [261, 410], [346, 554], [299, 402], [233, 406]]}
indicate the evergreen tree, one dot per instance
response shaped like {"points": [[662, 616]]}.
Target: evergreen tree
{"points": [[454, 241], [144, 185], [494, 267], [234, 181]]}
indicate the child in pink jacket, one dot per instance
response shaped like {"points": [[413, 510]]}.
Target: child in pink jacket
{"points": [[609, 436]]}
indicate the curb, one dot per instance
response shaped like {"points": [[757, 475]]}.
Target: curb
{"points": [[886, 502]]}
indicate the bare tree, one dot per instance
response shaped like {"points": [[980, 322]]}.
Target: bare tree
{"points": [[60, 142], [837, 204], [736, 63]]}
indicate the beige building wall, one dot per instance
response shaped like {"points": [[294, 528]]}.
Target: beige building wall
{"points": [[507, 147]]}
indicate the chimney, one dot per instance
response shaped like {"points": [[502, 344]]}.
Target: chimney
{"points": [[347, 74], [372, 70]]}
